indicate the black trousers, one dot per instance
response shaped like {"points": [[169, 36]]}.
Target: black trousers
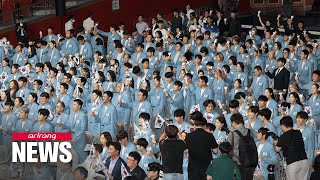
{"points": [[197, 173], [246, 173]]}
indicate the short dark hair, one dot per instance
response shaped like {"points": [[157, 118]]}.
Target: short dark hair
{"points": [[78, 101], [136, 156], [266, 113], [262, 98], [142, 142], [233, 104], [179, 113], [98, 147], [145, 116], [83, 171], [44, 112], [122, 134], [196, 115], [302, 115], [109, 93], [225, 148], [237, 118], [287, 121], [116, 146], [144, 92], [171, 131], [254, 109]]}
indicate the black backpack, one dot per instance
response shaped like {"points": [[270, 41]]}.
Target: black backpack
{"points": [[248, 154]]}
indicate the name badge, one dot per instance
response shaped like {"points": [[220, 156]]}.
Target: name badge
{"points": [[317, 104], [232, 72], [54, 56], [113, 39], [158, 97], [205, 95], [219, 87], [9, 123], [107, 114], [31, 113], [78, 121], [149, 75], [143, 109], [304, 138], [242, 79], [26, 129], [306, 68], [264, 153], [272, 66], [295, 113], [70, 45], [145, 165]]}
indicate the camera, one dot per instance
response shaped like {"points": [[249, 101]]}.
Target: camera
{"points": [[271, 175]]}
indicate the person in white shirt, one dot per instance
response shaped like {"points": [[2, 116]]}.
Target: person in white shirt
{"points": [[141, 25], [88, 23], [69, 24], [121, 29], [189, 10]]}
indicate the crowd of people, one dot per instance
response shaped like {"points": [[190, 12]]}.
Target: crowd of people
{"points": [[187, 98]]}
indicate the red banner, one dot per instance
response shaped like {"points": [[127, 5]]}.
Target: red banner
{"points": [[34, 136]]}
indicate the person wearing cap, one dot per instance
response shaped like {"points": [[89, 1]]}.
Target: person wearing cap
{"points": [[53, 55], [154, 169], [111, 35], [223, 167], [200, 145]]}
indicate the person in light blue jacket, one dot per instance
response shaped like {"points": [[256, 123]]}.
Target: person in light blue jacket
{"points": [[24, 124], [304, 68], [264, 116], [126, 145], [70, 46], [50, 36], [259, 83], [53, 55], [60, 121], [295, 105], [314, 103], [78, 121], [32, 56], [308, 135], [266, 154], [107, 116], [175, 98], [218, 87], [112, 35], [19, 56], [42, 125], [33, 106], [8, 123], [85, 48], [202, 92]]}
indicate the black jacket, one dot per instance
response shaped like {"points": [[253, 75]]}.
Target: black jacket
{"points": [[281, 80]]}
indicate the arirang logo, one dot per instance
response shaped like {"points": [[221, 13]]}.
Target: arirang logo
{"points": [[46, 151]]}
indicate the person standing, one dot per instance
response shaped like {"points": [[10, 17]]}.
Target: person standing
{"points": [[21, 31], [287, 8], [172, 150], [200, 145], [222, 167], [292, 145], [237, 124], [281, 75]]}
